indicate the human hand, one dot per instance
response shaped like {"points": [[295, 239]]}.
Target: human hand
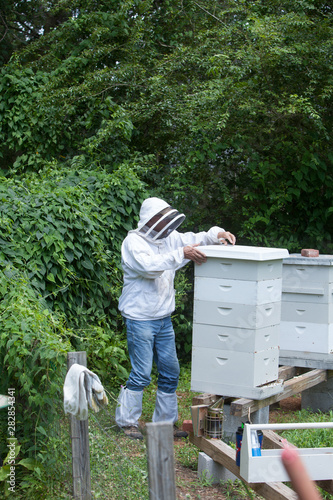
{"points": [[191, 253], [226, 236], [304, 487]]}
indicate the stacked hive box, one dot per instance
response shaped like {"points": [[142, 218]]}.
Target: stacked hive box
{"points": [[236, 321], [307, 311]]}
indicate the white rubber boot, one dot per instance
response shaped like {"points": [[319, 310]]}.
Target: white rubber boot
{"points": [[166, 407], [129, 408]]}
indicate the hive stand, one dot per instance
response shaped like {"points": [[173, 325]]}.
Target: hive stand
{"points": [[220, 452]]}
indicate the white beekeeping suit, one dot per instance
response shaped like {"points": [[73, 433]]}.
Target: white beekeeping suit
{"points": [[151, 254]]}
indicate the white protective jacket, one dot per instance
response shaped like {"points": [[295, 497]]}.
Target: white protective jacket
{"points": [[149, 266]]}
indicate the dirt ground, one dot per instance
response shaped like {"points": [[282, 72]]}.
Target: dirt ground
{"points": [[188, 486]]}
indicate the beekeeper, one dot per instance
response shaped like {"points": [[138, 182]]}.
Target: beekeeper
{"points": [[151, 254]]}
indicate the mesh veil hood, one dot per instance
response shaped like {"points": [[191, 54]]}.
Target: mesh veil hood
{"points": [[158, 219]]}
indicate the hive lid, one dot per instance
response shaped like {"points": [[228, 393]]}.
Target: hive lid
{"points": [[244, 252], [297, 258]]}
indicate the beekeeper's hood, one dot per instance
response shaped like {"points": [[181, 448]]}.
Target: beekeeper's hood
{"points": [[158, 219]]}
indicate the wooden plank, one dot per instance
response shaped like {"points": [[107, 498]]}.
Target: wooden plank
{"points": [[225, 455], [198, 413], [204, 399], [287, 372], [241, 407], [160, 456], [273, 440], [80, 443]]}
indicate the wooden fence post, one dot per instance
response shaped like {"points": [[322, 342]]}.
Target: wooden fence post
{"points": [[161, 465], [80, 442]]}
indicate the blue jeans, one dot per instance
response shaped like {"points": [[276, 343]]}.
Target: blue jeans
{"points": [[148, 341]]}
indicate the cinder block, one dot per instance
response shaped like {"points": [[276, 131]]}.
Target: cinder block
{"points": [[213, 471], [237, 291], [231, 423], [319, 397]]}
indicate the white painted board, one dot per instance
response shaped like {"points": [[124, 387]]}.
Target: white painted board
{"points": [[241, 252], [237, 291], [236, 315], [309, 337], [235, 368], [236, 339], [307, 312], [240, 269], [316, 293]]}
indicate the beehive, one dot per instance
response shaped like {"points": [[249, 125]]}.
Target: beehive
{"points": [[307, 311], [236, 321]]}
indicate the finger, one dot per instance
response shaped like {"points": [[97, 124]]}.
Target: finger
{"points": [[200, 257], [302, 484]]}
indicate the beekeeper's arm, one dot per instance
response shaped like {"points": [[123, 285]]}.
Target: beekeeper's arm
{"points": [[191, 241], [140, 258]]}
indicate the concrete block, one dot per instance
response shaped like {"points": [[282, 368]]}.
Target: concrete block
{"points": [[237, 291], [236, 339], [213, 471], [319, 397], [231, 423]]}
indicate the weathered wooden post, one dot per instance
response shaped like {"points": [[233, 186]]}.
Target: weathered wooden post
{"points": [[161, 466], [80, 442]]}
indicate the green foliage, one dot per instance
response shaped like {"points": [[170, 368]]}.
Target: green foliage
{"points": [[33, 347], [64, 228], [229, 105], [310, 438]]}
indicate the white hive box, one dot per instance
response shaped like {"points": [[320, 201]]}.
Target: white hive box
{"points": [[235, 339], [236, 321], [307, 311]]}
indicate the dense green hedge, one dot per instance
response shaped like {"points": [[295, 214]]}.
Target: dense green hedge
{"points": [[33, 347], [60, 233]]}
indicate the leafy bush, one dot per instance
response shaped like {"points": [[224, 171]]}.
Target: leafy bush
{"points": [[33, 347], [64, 228]]}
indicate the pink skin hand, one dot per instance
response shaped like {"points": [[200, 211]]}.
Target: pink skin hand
{"points": [[300, 480], [192, 253]]}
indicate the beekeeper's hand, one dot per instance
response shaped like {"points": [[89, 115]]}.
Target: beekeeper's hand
{"points": [[225, 236], [192, 253]]}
